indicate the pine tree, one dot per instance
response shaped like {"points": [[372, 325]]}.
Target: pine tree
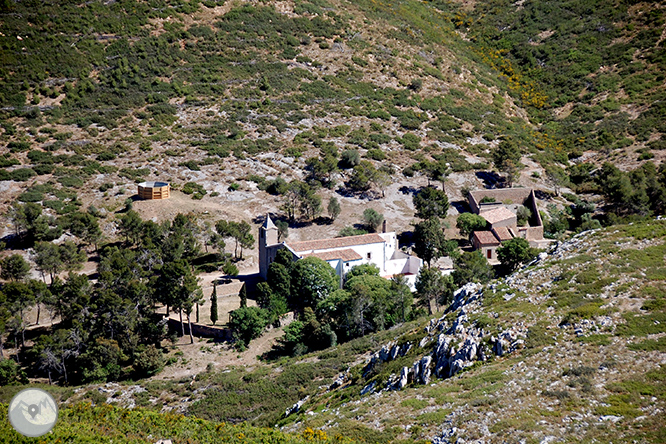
{"points": [[242, 294], [213, 304]]}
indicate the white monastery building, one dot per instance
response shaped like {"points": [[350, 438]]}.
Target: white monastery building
{"points": [[343, 253]]}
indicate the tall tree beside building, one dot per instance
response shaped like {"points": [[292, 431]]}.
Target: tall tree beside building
{"points": [[514, 252], [240, 232], [312, 279], [430, 241], [213, 304], [178, 287], [283, 230], [471, 266], [242, 294], [372, 219], [247, 323], [433, 288], [467, 223], [430, 202]]}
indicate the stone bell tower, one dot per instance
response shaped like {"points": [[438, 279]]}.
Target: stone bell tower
{"points": [[268, 237]]}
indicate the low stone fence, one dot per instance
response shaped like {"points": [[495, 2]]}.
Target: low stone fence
{"points": [[203, 331]]}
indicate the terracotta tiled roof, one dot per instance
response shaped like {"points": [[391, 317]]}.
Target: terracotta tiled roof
{"points": [[485, 238], [498, 215], [338, 242], [346, 255], [503, 233]]}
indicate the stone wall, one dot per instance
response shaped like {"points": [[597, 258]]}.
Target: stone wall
{"points": [[515, 195]]}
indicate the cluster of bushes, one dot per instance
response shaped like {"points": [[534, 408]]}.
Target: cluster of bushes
{"points": [[84, 422], [108, 330], [587, 36]]}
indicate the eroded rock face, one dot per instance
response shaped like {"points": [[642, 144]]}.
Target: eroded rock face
{"points": [[388, 352], [296, 407], [456, 346]]}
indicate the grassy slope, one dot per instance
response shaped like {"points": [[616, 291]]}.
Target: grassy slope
{"points": [[599, 63], [595, 347], [180, 78], [108, 89]]}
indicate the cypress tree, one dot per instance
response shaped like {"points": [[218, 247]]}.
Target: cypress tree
{"points": [[213, 304], [243, 296]]}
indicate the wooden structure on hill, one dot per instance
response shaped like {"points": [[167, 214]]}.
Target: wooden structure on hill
{"points": [[154, 190]]}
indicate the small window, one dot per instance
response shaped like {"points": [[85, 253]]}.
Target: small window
{"points": [[369, 255], [490, 254]]}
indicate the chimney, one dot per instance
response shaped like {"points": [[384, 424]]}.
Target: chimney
{"points": [[384, 226]]}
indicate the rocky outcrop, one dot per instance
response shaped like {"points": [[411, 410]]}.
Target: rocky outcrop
{"points": [[508, 341], [388, 352], [455, 346], [296, 407]]}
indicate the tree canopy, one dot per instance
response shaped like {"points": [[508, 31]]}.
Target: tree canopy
{"points": [[471, 267], [431, 202], [514, 252], [506, 158], [430, 242], [467, 223], [312, 280]]}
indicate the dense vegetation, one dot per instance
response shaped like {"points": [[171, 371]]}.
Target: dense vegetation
{"points": [[603, 59], [104, 89], [105, 329], [84, 423]]}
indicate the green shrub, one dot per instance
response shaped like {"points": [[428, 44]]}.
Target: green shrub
{"points": [[230, 269], [149, 361], [416, 404], [350, 158], [22, 174], [18, 147], [191, 164], [11, 373], [135, 174], [195, 189], [43, 169], [411, 141], [641, 325], [31, 196], [107, 155], [7, 161], [432, 418], [650, 345], [71, 181], [376, 154]]}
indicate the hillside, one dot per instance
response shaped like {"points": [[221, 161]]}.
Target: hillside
{"points": [[95, 96], [280, 107], [84, 424], [569, 348], [600, 64], [581, 340]]}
